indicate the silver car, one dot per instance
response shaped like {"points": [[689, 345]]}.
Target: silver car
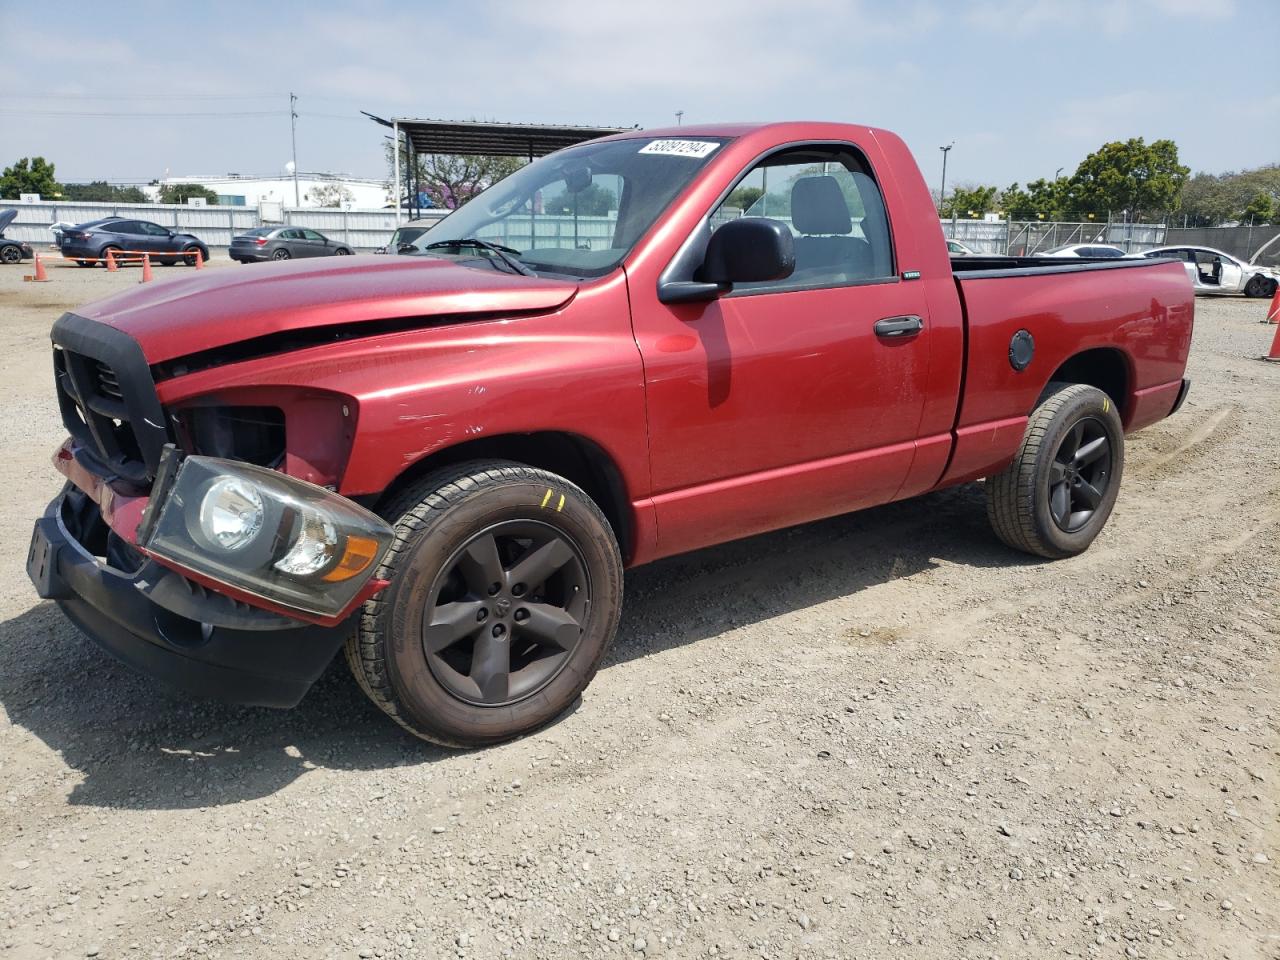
{"points": [[1214, 272]]}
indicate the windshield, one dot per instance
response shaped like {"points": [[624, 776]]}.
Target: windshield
{"points": [[578, 211]]}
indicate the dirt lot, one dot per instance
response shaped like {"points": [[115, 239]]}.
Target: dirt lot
{"points": [[883, 735]]}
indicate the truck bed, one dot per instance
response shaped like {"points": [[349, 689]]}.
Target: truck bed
{"points": [[995, 266], [1140, 330]]}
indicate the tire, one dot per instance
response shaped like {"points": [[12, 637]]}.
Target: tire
{"points": [[1056, 496], [404, 654], [281, 254], [189, 255], [342, 252], [102, 256], [1260, 286], [10, 254]]}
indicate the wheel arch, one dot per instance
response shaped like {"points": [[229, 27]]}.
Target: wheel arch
{"points": [[1109, 369], [569, 455]]}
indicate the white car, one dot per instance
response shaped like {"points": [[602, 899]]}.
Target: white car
{"points": [[958, 249], [1090, 250], [1214, 272]]}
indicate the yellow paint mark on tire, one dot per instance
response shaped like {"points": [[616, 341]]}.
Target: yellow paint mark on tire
{"points": [[546, 499], [560, 505], [1106, 404]]}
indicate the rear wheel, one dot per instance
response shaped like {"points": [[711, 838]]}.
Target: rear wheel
{"points": [[281, 254], [506, 588], [1056, 496]]}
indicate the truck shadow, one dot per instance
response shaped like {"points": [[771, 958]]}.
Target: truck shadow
{"points": [[135, 746]]}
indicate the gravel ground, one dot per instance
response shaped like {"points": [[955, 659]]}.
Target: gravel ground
{"points": [[882, 735]]}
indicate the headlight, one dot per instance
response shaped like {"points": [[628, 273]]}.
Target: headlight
{"points": [[273, 536], [231, 513]]}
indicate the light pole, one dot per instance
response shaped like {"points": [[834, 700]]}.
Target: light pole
{"points": [[293, 133], [679, 117], [942, 190]]}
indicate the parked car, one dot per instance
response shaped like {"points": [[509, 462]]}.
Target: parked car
{"points": [[284, 243], [443, 462], [958, 249], [89, 242], [1099, 251], [11, 251], [402, 239], [1214, 272]]}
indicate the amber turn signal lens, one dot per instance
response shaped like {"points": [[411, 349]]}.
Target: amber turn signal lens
{"points": [[357, 556]]}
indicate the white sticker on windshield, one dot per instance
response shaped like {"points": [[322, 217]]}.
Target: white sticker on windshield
{"points": [[680, 148]]}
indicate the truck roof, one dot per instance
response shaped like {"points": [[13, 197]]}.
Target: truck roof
{"points": [[784, 129]]}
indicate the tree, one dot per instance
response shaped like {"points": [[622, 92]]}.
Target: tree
{"points": [[450, 181], [969, 202], [744, 197], [99, 191], [594, 201], [182, 192], [1211, 199], [1132, 176], [331, 195], [30, 175], [1261, 209]]}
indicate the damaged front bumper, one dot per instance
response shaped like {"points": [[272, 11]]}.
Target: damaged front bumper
{"points": [[166, 625]]}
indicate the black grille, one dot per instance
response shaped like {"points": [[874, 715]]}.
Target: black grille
{"points": [[108, 399], [108, 385]]}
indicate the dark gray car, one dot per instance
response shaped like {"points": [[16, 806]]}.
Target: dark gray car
{"points": [[284, 243]]}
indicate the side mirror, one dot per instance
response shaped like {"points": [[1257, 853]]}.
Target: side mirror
{"points": [[404, 248], [749, 250], [172, 234]]}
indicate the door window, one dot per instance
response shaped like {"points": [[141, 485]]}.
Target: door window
{"points": [[829, 200], [152, 229], [312, 235]]}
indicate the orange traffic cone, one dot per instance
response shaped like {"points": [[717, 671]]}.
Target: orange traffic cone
{"points": [[1273, 312], [40, 276], [1274, 355], [111, 261], [199, 260], [146, 268]]}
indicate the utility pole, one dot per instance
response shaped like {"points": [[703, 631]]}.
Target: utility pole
{"points": [[679, 117], [395, 187], [942, 190], [293, 132]]}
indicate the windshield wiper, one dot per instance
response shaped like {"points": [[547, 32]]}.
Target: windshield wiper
{"points": [[502, 253]]}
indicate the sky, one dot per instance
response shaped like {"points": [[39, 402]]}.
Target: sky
{"points": [[135, 90]]}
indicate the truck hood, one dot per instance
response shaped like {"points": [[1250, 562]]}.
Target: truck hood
{"points": [[229, 305]]}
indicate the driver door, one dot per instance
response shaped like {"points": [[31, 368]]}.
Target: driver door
{"points": [[786, 401]]}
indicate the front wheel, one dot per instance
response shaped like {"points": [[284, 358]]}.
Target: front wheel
{"points": [[1260, 286], [342, 252], [506, 588], [1056, 496], [189, 255], [10, 254]]}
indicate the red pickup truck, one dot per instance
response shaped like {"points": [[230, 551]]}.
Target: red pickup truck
{"points": [[631, 348]]}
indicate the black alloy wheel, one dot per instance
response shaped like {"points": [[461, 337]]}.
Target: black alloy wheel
{"points": [[506, 613], [10, 254], [1079, 475]]}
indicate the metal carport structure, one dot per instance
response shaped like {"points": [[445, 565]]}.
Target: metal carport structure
{"points": [[471, 137]]}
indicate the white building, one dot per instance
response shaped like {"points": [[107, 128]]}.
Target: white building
{"points": [[314, 190]]}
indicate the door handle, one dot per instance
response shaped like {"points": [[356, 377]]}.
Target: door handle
{"points": [[898, 326]]}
